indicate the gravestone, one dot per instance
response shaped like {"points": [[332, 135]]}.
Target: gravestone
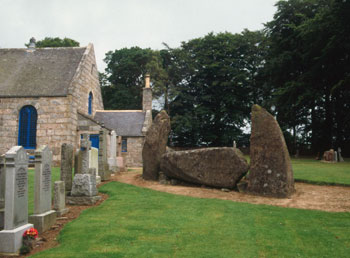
{"points": [[77, 162], [340, 157], [120, 159], [335, 156], [2, 190], [16, 200], [271, 172], [329, 156], [112, 160], [44, 217], [67, 165], [84, 191], [103, 168], [59, 198], [93, 162]]}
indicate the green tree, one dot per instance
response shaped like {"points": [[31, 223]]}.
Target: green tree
{"points": [[217, 88], [55, 42]]}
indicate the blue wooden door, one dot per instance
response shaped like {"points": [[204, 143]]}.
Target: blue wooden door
{"points": [[95, 141]]}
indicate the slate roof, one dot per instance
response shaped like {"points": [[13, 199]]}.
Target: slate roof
{"points": [[38, 73], [124, 123]]}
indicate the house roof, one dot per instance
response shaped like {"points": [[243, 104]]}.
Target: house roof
{"points": [[123, 122], [38, 72]]}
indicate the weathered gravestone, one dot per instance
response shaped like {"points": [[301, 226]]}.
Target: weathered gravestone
{"points": [[44, 217], [329, 156], [112, 160], [84, 191], [155, 146], [217, 167], [93, 162], [16, 200], [271, 171], [2, 190], [59, 200], [120, 159], [103, 168], [340, 157], [67, 165]]}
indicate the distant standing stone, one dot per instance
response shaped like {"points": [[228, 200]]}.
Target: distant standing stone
{"points": [[155, 145], [217, 167], [271, 171]]}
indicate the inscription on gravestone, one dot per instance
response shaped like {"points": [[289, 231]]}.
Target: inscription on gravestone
{"points": [[46, 178]]}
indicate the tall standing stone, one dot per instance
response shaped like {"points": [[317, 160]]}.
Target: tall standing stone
{"points": [[59, 200], [112, 159], [67, 165], [155, 145], [339, 155], [16, 200], [44, 217], [103, 168], [120, 159], [271, 171]]}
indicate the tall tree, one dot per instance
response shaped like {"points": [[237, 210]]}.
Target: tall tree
{"points": [[217, 88], [56, 42]]}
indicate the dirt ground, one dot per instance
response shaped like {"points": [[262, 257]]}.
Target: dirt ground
{"points": [[307, 196]]}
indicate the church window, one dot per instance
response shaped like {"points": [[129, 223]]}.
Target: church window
{"points": [[124, 145], [27, 127], [90, 103]]}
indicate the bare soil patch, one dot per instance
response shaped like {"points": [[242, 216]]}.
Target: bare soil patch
{"points": [[307, 196]]}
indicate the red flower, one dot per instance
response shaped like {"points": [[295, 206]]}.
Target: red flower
{"points": [[32, 232]]}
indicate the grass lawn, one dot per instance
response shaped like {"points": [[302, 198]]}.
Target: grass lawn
{"points": [[55, 176], [314, 171], [137, 222]]}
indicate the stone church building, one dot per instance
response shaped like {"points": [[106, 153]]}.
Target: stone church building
{"points": [[52, 95]]}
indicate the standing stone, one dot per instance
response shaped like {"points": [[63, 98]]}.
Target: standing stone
{"points": [[103, 168], [59, 199], [217, 167], [271, 171], [335, 156], [67, 165], [339, 155], [155, 145], [2, 190], [16, 200], [43, 217], [112, 160]]}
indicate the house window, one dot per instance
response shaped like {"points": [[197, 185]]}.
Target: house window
{"points": [[90, 103], [27, 127], [124, 145]]}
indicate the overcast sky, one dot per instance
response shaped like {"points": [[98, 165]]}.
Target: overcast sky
{"points": [[115, 24]]}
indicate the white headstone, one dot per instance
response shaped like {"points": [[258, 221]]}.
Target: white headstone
{"points": [[42, 187], [112, 159], [93, 158], [16, 195], [16, 200]]}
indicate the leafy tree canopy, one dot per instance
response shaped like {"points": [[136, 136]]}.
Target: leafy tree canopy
{"points": [[55, 42]]}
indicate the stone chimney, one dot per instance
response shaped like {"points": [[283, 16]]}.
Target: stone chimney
{"points": [[147, 95], [32, 43]]}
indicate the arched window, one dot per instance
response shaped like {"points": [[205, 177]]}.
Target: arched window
{"points": [[27, 127], [90, 103]]}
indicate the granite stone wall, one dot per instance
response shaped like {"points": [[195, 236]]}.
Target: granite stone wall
{"points": [[133, 156], [56, 122]]}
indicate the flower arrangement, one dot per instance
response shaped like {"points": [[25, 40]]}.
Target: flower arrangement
{"points": [[29, 237]]}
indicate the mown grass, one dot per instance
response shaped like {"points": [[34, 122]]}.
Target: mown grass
{"points": [[55, 176], [137, 222], [317, 172]]}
